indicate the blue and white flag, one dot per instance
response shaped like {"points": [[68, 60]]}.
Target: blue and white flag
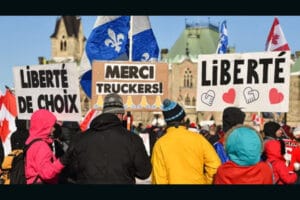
{"points": [[144, 46], [107, 41], [223, 38], [109, 38]]}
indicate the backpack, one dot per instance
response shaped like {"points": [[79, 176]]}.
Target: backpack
{"points": [[13, 165]]}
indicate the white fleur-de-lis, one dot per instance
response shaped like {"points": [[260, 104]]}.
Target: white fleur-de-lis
{"points": [[145, 57], [115, 41]]}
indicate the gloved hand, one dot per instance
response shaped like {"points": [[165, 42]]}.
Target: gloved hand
{"points": [[296, 166]]}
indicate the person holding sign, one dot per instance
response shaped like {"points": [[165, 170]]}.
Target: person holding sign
{"points": [[107, 153]]}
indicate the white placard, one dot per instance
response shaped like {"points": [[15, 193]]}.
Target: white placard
{"points": [[54, 87], [256, 82]]}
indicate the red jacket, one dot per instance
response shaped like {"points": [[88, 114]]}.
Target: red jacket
{"points": [[281, 172], [40, 160], [231, 173], [295, 157]]}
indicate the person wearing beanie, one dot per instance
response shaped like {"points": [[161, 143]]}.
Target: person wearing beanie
{"points": [[231, 117], [243, 145], [113, 103], [272, 130], [107, 153], [181, 156], [173, 113]]}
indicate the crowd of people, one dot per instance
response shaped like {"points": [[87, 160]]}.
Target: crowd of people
{"points": [[180, 151]]}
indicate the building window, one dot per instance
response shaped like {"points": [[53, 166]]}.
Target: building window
{"points": [[194, 101], [188, 79], [63, 44], [187, 100]]}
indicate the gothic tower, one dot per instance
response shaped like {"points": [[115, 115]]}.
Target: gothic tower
{"points": [[67, 45], [68, 40]]}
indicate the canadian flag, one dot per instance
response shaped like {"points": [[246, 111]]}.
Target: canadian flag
{"points": [[8, 113], [276, 40], [257, 120]]}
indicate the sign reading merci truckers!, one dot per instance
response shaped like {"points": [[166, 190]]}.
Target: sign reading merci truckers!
{"points": [[142, 85], [54, 87], [253, 81]]}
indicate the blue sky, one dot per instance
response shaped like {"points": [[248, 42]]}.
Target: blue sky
{"points": [[24, 38]]}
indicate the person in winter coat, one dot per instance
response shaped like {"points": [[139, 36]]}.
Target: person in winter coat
{"points": [[214, 140], [107, 153], [232, 116], [41, 164], [274, 151], [294, 164], [243, 145], [273, 130], [19, 137], [181, 156]]}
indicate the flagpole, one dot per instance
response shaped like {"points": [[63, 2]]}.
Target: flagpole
{"points": [[130, 38]]}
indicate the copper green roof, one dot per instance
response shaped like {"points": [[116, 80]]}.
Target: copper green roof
{"points": [[295, 70], [199, 39]]}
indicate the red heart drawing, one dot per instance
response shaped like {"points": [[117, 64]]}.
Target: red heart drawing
{"points": [[275, 96], [229, 96]]}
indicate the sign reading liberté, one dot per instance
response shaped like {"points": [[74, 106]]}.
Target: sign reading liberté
{"points": [[256, 82], [142, 85], [54, 87]]}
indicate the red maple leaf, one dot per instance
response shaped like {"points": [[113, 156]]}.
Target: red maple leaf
{"points": [[4, 129], [275, 38]]}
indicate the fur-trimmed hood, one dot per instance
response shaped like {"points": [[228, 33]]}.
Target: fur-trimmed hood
{"points": [[243, 145]]}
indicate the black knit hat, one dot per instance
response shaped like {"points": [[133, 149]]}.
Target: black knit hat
{"points": [[172, 111], [113, 103], [270, 128], [231, 117]]}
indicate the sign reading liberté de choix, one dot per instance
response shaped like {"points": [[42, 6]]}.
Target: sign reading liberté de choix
{"points": [[54, 87]]}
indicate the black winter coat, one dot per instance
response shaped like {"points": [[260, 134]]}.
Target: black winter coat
{"points": [[108, 154]]}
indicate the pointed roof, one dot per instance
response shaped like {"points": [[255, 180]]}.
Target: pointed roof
{"points": [[72, 24], [195, 39]]}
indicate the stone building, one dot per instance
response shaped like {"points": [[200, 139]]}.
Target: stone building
{"points": [[68, 41], [195, 39], [202, 38], [293, 116], [67, 45]]}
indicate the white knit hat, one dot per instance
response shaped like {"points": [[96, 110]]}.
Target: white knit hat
{"points": [[296, 131]]}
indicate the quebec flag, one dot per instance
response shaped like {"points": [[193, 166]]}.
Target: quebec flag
{"points": [[223, 38], [144, 46], [109, 40]]}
